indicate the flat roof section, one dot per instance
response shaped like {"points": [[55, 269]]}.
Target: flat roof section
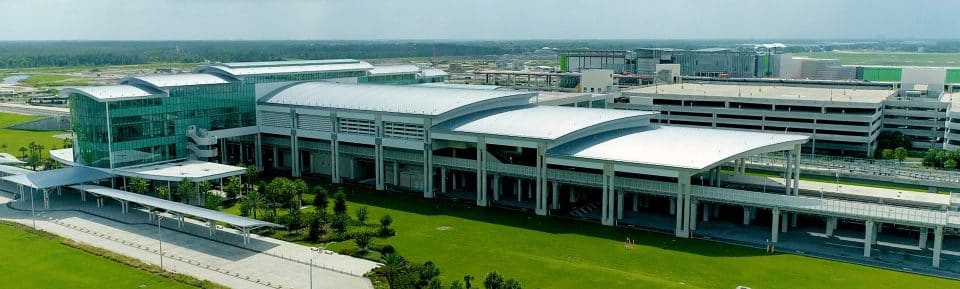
{"points": [[112, 92], [846, 189], [193, 170], [677, 147], [284, 69], [769, 92], [148, 201], [389, 98], [287, 63], [168, 80], [547, 122], [394, 69]]}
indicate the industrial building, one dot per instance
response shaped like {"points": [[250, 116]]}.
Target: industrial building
{"points": [[489, 146]]}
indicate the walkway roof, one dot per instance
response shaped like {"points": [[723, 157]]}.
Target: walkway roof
{"points": [[170, 206], [58, 177], [193, 170], [287, 63], [112, 92], [168, 80], [394, 69], [390, 98], [678, 147], [548, 122], [11, 170], [6, 158]]}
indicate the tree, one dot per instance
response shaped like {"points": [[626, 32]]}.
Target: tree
{"points": [[950, 164], [340, 204], [363, 241], [900, 153], [468, 279], [314, 230], [277, 193], [456, 285], [139, 185], [212, 201], [887, 154], [254, 201], [362, 214], [299, 187], [320, 198], [493, 281], [434, 284], [339, 223], [512, 284], [234, 187], [163, 192], [385, 230], [204, 188], [23, 152], [185, 189]]}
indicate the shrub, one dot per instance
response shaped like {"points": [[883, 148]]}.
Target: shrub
{"points": [[387, 250], [314, 230], [362, 214], [320, 198], [339, 223], [340, 204], [363, 240]]}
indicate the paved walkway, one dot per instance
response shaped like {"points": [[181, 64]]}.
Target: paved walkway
{"points": [[221, 258]]}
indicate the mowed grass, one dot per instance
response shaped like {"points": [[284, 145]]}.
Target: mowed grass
{"points": [[29, 260], [889, 58], [545, 252], [48, 79], [12, 139]]}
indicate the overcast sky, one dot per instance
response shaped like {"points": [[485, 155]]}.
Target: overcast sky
{"points": [[474, 19]]}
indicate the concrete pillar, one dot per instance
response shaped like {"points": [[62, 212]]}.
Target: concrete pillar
{"points": [[788, 177], [876, 229], [453, 180], [692, 215], [427, 166], [868, 235], [258, 152], [443, 179], [937, 245], [276, 159], [793, 220], [673, 205], [517, 190], [783, 222], [684, 204], [334, 159], [796, 172], [573, 194], [396, 173], [482, 173], [619, 204], [379, 175], [746, 216], [496, 187], [706, 212], [924, 232], [636, 200], [608, 195], [831, 226], [555, 200], [775, 226], [715, 210], [540, 188]]}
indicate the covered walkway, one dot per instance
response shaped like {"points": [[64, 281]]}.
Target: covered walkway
{"points": [[245, 225]]}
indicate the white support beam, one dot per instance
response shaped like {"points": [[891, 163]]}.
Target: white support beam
{"points": [[775, 226], [619, 204], [555, 198], [746, 216], [796, 172], [482, 173], [427, 170], [541, 185], [924, 232], [868, 235], [683, 206], [937, 245], [608, 197]]}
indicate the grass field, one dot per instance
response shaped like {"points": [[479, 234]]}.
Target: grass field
{"points": [[47, 79], [33, 261], [12, 139], [889, 58], [545, 252]]}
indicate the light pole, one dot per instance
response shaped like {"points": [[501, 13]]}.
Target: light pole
{"points": [[33, 211], [160, 238], [311, 273], [838, 181]]}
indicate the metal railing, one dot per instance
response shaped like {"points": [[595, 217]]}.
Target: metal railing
{"points": [[861, 167]]}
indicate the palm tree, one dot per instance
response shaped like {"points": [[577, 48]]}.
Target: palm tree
{"points": [[23, 152], [255, 201], [139, 185]]}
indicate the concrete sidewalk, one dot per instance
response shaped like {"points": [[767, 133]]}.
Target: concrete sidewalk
{"points": [[221, 258]]}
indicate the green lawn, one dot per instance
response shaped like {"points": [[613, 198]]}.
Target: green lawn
{"points": [[12, 139], [29, 260], [889, 58], [48, 79], [544, 252]]}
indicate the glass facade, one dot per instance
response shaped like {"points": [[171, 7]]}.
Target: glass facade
{"points": [[154, 129]]}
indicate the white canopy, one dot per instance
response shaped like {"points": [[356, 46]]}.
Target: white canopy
{"points": [[58, 177]]}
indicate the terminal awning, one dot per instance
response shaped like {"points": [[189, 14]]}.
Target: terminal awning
{"points": [[6, 158], [175, 207], [176, 171], [11, 170], [58, 177]]}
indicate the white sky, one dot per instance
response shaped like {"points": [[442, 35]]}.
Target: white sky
{"points": [[475, 19]]}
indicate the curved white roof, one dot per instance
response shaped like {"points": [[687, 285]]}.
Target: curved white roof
{"points": [[394, 69], [678, 147], [287, 62], [388, 98], [548, 122], [258, 70], [112, 92], [169, 80]]}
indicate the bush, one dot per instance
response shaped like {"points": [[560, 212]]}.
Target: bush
{"points": [[387, 250], [362, 214], [340, 204], [314, 230], [339, 223], [363, 240], [320, 198], [386, 221]]}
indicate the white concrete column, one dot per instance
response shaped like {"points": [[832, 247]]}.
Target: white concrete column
{"points": [[788, 177], [793, 220], [684, 204], [540, 188], [443, 179], [876, 229], [775, 226], [746, 216], [334, 159], [692, 215], [258, 154], [427, 166], [482, 199], [379, 166], [937, 245], [573, 194], [868, 235], [555, 200], [496, 187], [608, 195], [706, 212], [636, 201], [783, 222], [673, 205], [517, 190], [924, 232], [831, 226], [619, 204], [276, 158], [396, 173], [453, 180], [796, 172]]}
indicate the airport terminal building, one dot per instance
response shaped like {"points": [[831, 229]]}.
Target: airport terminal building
{"points": [[330, 119]]}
